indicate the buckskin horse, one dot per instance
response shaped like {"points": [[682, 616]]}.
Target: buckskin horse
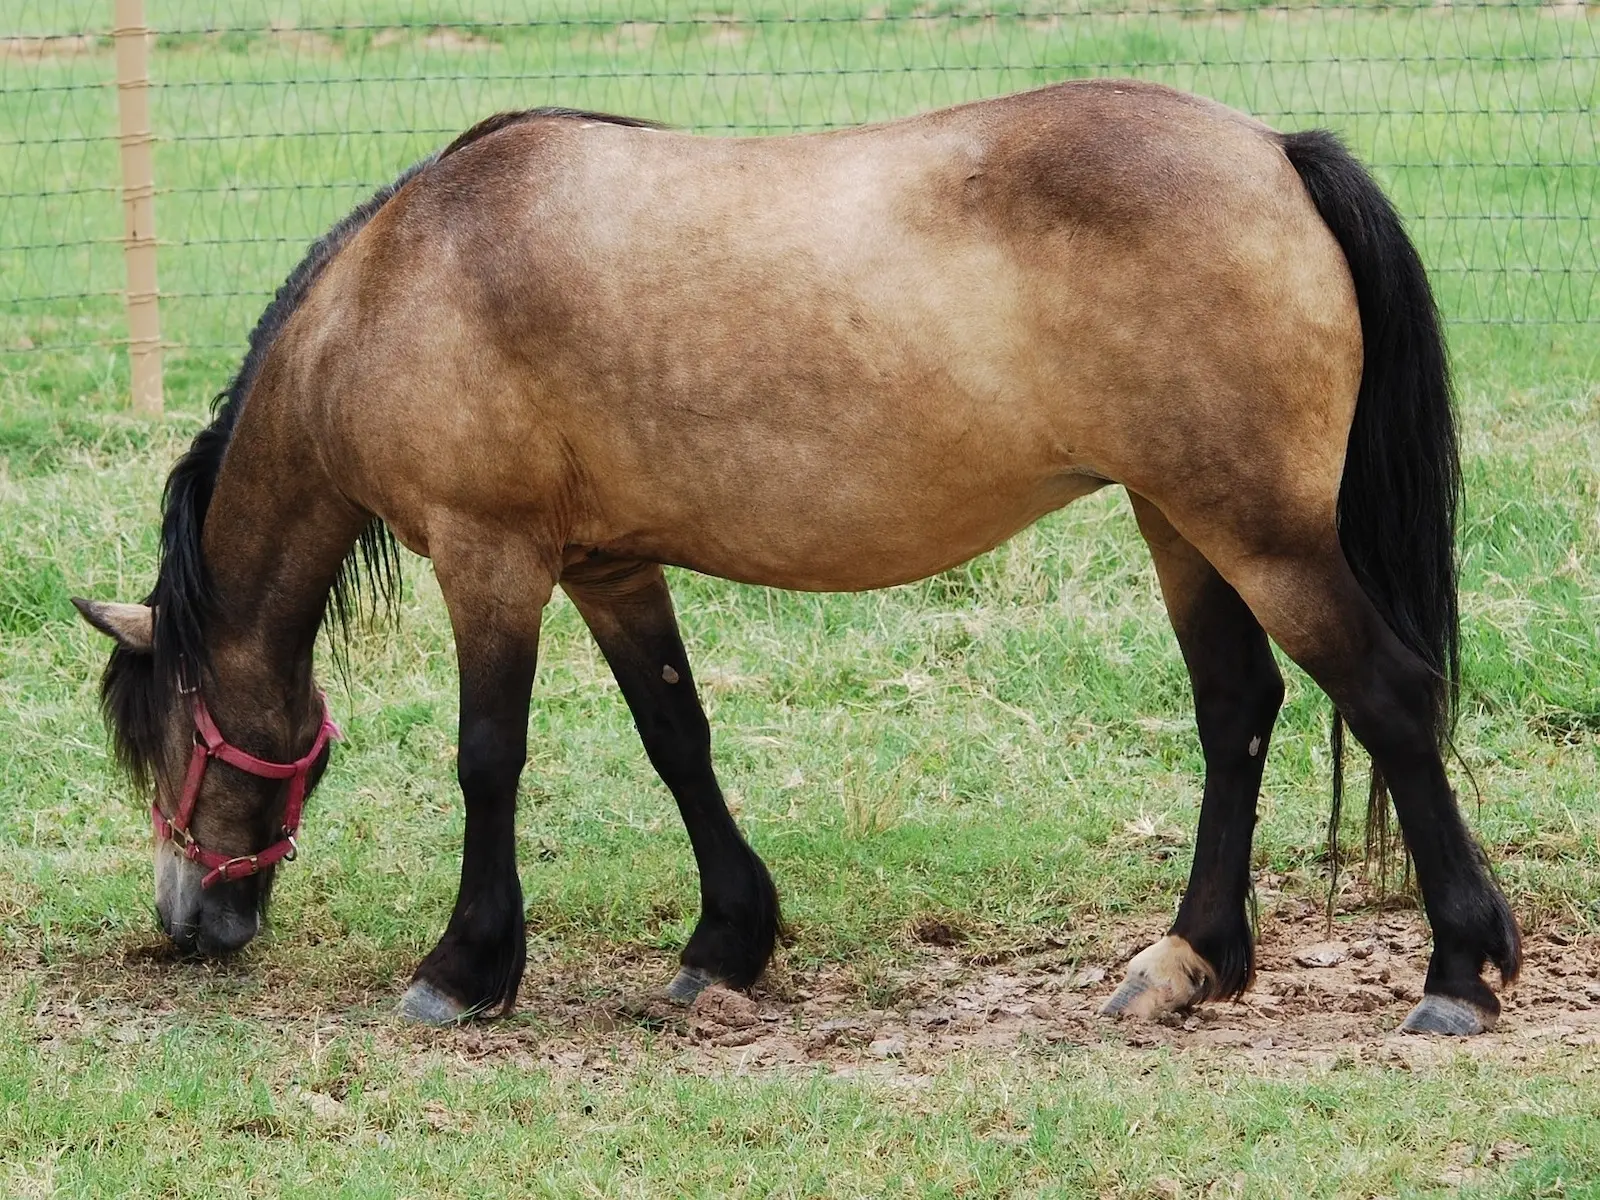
{"points": [[571, 347]]}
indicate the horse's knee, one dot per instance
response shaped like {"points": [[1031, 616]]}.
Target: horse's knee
{"points": [[489, 757]]}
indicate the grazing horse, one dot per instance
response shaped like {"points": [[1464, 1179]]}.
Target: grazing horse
{"points": [[572, 347]]}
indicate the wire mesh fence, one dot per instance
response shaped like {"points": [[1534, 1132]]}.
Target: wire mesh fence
{"points": [[273, 118]]}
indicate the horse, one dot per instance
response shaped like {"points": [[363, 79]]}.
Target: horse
{"points": [[572, 347]]}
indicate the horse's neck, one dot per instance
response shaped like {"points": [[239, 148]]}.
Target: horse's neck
{"points": [[275, 535]]}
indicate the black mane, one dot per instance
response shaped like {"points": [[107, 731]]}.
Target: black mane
{"points": [[136, 687]]}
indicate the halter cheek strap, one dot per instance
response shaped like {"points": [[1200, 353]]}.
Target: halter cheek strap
{"points": [[209, 744]]}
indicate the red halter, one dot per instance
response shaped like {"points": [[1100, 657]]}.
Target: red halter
{"points": [[208, 744]]}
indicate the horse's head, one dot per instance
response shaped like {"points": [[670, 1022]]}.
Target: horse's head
{"points": [[224, 816]]}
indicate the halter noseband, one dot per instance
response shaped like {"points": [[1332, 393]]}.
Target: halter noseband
{"points": [[208, 744]]}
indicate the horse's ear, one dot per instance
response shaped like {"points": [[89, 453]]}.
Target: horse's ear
{"points": [[132, 625]]}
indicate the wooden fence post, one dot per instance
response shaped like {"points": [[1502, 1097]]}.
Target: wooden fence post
{"points": [[138, 204]]}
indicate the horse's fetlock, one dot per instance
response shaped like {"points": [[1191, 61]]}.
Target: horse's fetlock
{"points": [[1480, 925], [735, 936], [483, 975]]}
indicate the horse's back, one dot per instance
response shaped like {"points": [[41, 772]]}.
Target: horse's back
{"points": [[836, 360]]}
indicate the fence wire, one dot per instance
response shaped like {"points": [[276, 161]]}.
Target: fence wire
{"points": [[274, 118]]}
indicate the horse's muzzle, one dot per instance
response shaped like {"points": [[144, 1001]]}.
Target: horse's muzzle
{"points": [[213, 921]]}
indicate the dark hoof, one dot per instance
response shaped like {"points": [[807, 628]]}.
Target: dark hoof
{"points": [[426, 1005], [690, 982], [1447, 1015]]}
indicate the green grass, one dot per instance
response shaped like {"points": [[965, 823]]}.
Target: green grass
{"points": [[376, 1115], [971, 748]]}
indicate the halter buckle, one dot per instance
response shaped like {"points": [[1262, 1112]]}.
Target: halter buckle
{"points": [[225, 870]]}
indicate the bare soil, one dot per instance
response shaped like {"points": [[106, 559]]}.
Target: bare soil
{"points": [[1315, 1001]]}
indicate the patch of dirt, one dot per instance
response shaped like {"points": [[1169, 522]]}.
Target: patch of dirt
{"points": [[631, 35], [445, 38], [1317, 1000], [720, 31], [34, 48], [303, 41], [936, 931]]}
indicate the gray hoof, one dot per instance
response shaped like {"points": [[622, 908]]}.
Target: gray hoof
{"points": [[1125, 997], [690, 982], [1447, 1015], [426, 1005]]}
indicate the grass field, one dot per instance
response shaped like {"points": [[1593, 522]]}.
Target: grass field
{"points": [[989, 775]]}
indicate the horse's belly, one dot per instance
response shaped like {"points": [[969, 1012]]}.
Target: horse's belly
{"points": [[850, 539]]}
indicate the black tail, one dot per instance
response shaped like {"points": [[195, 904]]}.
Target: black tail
{"points": [[1402, 471]]}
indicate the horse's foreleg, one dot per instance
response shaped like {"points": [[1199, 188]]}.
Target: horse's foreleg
{"points": [[496, 594], [1208, 953], [629, 611]]}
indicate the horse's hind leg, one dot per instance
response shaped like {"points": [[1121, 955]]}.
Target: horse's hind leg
{"points": [[629, 611], [495, 589], [1208, 952], [1306, 596]]}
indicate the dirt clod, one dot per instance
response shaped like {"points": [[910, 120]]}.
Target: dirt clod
{"points": [[1322, 954], [323, 1106], [723, 1007], [845, 1031]]}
